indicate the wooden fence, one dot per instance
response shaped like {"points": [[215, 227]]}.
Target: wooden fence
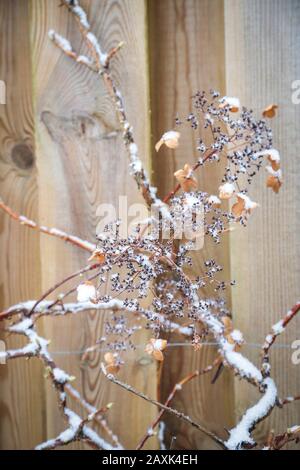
{"points": [[61, 155]]}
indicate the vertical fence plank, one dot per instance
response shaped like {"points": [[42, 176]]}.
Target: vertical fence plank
{"points": [[187, 55], [262, 61], [82, 163], [21, 384]]}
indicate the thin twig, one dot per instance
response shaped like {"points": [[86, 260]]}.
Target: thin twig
{"points": [[178, 386], [54, 232], [176, 413]]}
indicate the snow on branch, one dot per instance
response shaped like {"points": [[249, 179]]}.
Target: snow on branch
{"points": [[240, 436], [77, 429], [54, 232]]}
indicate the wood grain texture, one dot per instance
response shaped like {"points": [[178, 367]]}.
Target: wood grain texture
{"points": [[262, 61], [21, 384], [187, 55], [82, 163]]}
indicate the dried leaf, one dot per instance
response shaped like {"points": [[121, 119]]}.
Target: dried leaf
{"points": [[227, 322], [273, 183], [274, 163], [158, 355]]}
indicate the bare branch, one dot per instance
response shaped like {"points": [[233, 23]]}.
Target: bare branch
{"points": [[54, 232], [176, 413]]}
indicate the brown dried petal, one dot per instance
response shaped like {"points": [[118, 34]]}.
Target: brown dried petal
{"points": [[158, 355], [238, 208], [274, 183], [274, 164], [185, 178], [98, 256], [270, 111]]}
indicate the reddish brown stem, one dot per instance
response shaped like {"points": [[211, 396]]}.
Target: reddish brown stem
{"points": [[176, 387], [49, 231]]}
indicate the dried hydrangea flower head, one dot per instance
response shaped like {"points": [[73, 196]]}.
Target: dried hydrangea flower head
{"points": [[148, 277], [153, 270]]}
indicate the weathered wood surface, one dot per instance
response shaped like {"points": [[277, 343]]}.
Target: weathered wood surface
{"points": [[21, 384], [262, 60]]}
